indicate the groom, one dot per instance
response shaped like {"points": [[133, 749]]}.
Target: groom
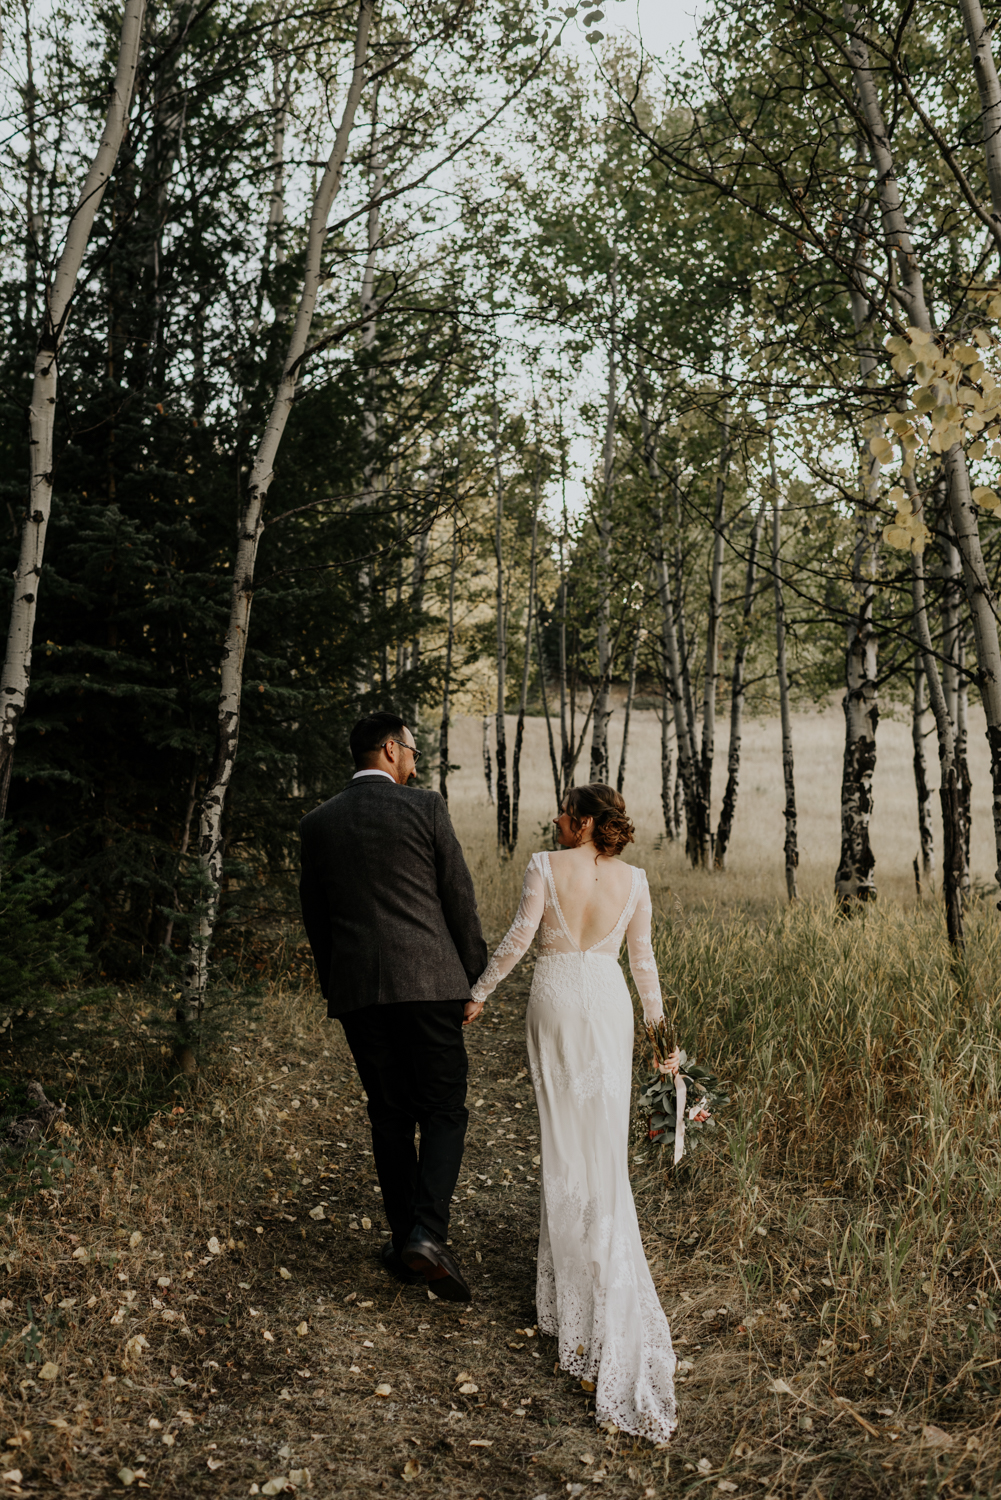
{"points": [[389, 909]]}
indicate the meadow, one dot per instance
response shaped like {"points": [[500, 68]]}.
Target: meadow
{"points": [[195, 1307]]}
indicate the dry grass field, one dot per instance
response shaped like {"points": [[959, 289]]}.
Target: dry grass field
{"points": [[754, 879], [195, 1309]]}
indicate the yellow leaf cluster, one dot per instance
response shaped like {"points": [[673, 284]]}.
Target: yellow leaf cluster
{"points": [[907, 532]]}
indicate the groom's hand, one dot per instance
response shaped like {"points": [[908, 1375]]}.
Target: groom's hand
{"points": [[471, 1012]]}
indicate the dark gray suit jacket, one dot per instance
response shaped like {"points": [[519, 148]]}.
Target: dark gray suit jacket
{"points": [[387, 899]]}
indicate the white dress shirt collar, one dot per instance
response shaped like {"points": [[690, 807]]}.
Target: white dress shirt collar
{"points": [[373, 772]]}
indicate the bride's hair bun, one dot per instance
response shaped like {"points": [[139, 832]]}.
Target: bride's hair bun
{"points": [[612, 829]]}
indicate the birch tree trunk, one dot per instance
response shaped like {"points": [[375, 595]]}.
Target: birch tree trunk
{"points": [[725, 827], [791, 845], [978, 34], [371, 479], [953, 839], [667, 787], [602, 713], [926, 834], [673, 661], [16, 676], [526, 668], [854, 879], [620, 778], [503, 797], [443, 765], [250, 527], [488, 770], [910, 292], [554, 763], [687, 772], [696, 816], [704, 810], [962, 765]]}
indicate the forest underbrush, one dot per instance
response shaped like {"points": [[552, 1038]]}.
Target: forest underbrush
{"points": [[195, 1307]]}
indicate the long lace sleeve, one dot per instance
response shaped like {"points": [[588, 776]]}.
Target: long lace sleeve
{"points": [[642, 964], [515, 943]]}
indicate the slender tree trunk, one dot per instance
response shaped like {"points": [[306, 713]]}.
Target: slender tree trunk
{"points": [[418, 572], [16, 675], [503, 797], [488, 770], [962, 765], [704, 830], [250, 527], [32, 174], [555, 764], [526, 668], [925, 831], [602, 713], [725, 826], [953, 853], [686, 649], [667, 787], [791, 845], [620, 778], [854, 881], [979, 34], [687, 770], [910, 292], [687, 778], [372, 480], [443, 765]]}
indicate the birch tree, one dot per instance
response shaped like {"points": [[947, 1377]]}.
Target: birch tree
{"points": [[16, 676], [249, 529], [791, 844]]}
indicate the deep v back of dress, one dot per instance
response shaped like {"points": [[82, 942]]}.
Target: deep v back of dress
{"points": [[591, 896], [594, 1289]]}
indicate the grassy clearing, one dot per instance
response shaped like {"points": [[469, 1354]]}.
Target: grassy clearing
{"points": [[830, 1272]]}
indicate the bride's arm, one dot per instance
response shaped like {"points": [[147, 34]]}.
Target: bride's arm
{"points": [[519, 935], [642, 964]]}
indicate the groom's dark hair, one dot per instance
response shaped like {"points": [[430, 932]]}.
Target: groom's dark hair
{"points": [[369, 733]]}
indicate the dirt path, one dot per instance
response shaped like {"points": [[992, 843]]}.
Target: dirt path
{"points": [[471, 1402]]}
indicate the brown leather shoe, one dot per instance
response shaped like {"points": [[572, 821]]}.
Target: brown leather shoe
{"points": [[432, 1259]]}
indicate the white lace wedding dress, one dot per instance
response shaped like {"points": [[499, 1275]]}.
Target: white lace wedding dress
{"points": [[594, 1288]]}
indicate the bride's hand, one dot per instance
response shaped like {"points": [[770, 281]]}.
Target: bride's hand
{"points": [[472, 1011], [672, 1063]]}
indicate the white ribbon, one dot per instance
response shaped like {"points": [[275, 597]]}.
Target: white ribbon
{"points": [[679, 1129]]}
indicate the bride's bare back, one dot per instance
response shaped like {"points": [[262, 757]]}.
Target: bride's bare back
{"points": [[591, 892]]}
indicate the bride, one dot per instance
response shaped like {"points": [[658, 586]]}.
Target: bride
{"points": [[594, 1288]]}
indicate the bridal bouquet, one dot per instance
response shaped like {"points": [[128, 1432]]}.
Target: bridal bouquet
{"points": [[680, 1107]]}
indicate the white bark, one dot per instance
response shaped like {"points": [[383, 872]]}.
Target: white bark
{"points": [[673, 663], [704, 832], [725, 826], [500, 733], [791, 846], [16, 675], [602, 713], [250, 528], [978, 34], [620, 779]]}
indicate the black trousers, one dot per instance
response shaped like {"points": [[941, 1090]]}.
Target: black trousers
{"points": [[411, 1059]]}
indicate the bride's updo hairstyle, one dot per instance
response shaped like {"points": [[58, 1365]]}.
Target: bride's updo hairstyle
{"points": [[612, 829]]}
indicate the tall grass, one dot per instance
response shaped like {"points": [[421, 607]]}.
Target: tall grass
{"points": [[861, 1144]]}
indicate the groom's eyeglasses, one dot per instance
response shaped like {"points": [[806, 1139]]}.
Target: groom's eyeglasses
{"points": [[415, 753]]}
